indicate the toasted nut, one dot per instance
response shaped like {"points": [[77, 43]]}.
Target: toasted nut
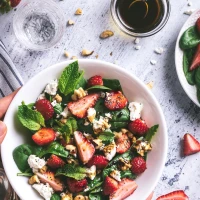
{"points": [[81, 197], [72, 149], [86, 52], [63, 121], [124, 164], [71, 22], [72, 161], [66, 54], [66, 196], [106, 34], [78, 94], [79, 11], [150, 85], [74, 58], [33, 179], [43, 169], [58, 98], [97, 56]]}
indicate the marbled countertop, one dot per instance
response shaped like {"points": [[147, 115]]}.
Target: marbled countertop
{"points": [[181, 114]]}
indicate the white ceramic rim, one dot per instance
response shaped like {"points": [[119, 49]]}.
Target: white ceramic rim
{"points": [[115, 67]]}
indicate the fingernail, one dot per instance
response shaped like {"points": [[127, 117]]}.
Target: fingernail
{"points": [[3, 129]]}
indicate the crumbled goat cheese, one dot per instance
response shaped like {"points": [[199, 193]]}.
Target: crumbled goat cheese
{"points": [[91, 114], [100, 125], [138, 47], [99, 144], [159, 50], [110, 151], [52, 87], [41, 96], [137, 41], [108, 115], [36, 163], [53, 103], [91, 172], [72, 149], [153, 62], [189, 12], [116, 175], [135, 110], [44, 190], [65, 112]]}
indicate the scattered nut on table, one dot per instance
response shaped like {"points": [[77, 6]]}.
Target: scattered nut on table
{"points": [[150, 85], [71, 22], [74, 58], [86, 52], [97, 56], [79, 11], [67, 54], [106, 34]]}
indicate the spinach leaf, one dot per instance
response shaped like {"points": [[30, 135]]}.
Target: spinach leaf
{"points": [[58, 108], [99, 188], [84, 128], [197, 77], [98, 88], [29, 118], [82, 82], [55, 197], [72, 171], [151, 132], [118, 125], [95, 185], [100, 108], [198, 94], [70, 78], [114, 84], [54, 148], [189, 39], [106, 137], [96, 196], [120, 115], [128, 174], [25, 174], [108, 170]]}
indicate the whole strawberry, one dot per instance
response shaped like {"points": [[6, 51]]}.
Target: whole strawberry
{"points": [[45, 108], [55, 162], [7, 5], [75, 186], [138, 127], [138, 165], [95, 80]]}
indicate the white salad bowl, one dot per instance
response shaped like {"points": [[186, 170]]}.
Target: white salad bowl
{"points": [[134, 90]]}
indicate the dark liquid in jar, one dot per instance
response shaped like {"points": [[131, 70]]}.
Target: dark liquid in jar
{"points": [[140, 15]]}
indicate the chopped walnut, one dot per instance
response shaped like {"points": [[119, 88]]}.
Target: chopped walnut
{"points": [[66, 196], [71, 22], [74, 58], [106, 34], [150, 85], [63, 121], [67, 54], [34, 179], [124, 164], [141, 146], [78, 94], [97, 56], [79, 11], [43, 169], [86, 52], [72, 161], [58, 98], [81, 197]]}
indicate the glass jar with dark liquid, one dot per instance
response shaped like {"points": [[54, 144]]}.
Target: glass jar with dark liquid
{"points": [[140, 17]]}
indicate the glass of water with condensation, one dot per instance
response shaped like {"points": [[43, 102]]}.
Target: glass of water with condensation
{"points": [[39, 24]]}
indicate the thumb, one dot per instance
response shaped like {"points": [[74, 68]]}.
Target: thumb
{"points": [[3, 131]]}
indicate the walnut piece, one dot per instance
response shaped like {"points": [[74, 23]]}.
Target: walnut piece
{"points": [[58, 98], [67, 54], [150, 85], [106, 34], [86, 52], [34, 179], [74, 58], [79, 11], [71, 22]]}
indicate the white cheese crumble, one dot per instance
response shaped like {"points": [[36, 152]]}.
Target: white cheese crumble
{"points": [[135, 110], [189, 12], [91, 172], [110, 150], [41, 96], [138, 47], [116, 175], [101, 124], [36, 163], [65, 112], [91, 114], [159, 50], [108, 115], [137, 41], [53, 103], [52, 87], [153, 62], [72, 149], [44, 190]]}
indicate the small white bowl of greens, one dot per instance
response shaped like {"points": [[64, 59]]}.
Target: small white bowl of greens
{"points": [[24, 122]]}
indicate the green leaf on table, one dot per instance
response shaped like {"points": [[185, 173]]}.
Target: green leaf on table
{"points": [[106, 136], [98, 88], [151, 132], [70, 78], [54, 148], [72, 171], [29, 118], [114, 84]]}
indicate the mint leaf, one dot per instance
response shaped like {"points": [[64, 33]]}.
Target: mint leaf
{"points": [[151, 132], [69, 78], [29, 118], [106, 136], [72, 171]]}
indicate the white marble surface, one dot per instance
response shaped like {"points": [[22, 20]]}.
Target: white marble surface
{"points": [[181, 114]]}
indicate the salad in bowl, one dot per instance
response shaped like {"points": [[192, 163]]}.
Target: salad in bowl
{"points": [[87, 140]]}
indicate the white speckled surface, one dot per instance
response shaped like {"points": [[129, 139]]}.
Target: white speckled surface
{"points": [[181, 114]]}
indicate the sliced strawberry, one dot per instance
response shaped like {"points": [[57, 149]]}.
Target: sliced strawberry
{"points": [[99, 161], [196, 59], [79, 108], [49, 177], [110, 186], [115, 101], [75, 185], [14, 3], [198, 25], [123, 143], [55, 162], [85, 148], [95, 80], [190, 145], [138, 165], [45, 108], [176, 195], [126, 188], [138, 127], [44, 136], [150, 196]]}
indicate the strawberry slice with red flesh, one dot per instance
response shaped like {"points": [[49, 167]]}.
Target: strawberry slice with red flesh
{"points": [[115, 101], [44, 136], [85, 148], [126, 188], [123, 143], [95, 80], [79, 108], [55, 162], [76, 186], [49, 177], [45, 108], [198, 25], [110, 186], [176, 195], [190, 145], [196, 59], [138, 127], [99, 161], [150, 196]]}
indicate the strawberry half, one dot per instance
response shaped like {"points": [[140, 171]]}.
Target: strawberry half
{"points": [[79, 108], [198, 25], [126, 188], [150, 196], [123, 143], [55, 162], [176, 195], [110, 186], [85, 148], [49, 177], [138, 127], [75, 185], [196, 59], [138, 165], [115, 101], [45, 108], [95, 80], [190, 145], [14, 3], [44, 136], [99, 161]]}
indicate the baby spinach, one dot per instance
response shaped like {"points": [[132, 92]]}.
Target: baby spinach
{"points": [[197, 77], [106, 136], [82, 82], [114, 84], [120, 115], [96, 196], [58, 108], [98, 88], [151, 132], [108, 170], [29, 118], [189, 39], [54, 148], [55, 197], [127, 174], [100, 108], [118, 125], [84, 128], [95, 185]]}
